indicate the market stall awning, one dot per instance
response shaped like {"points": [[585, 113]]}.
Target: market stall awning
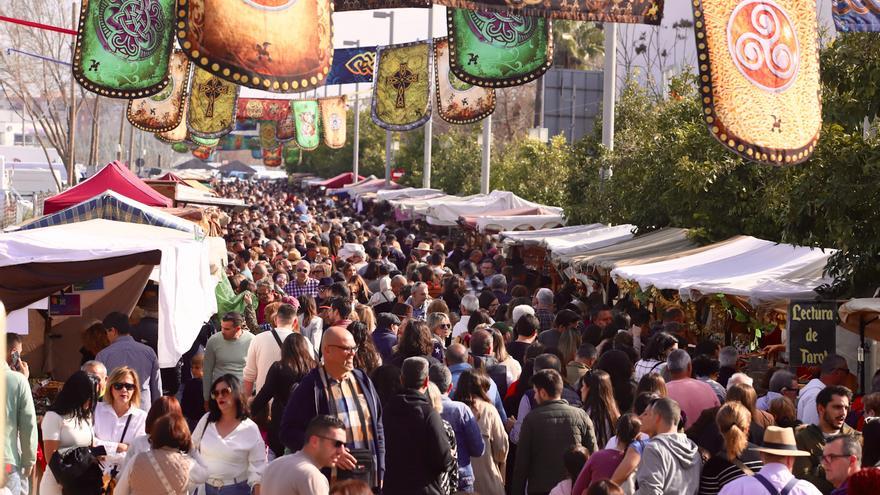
{"points": [[194, 164], [115, 176], [236, 166], [112, 206], [338, 181], [533, 237], [446, 213], [861, 314], [406, 192], [761, 271], [646, 248], [565, 246], [529, 218]]}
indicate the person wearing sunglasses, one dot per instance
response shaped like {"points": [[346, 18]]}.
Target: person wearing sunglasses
{"points": [[119, 418], [300, 473], [229, 443], [441, 329]]}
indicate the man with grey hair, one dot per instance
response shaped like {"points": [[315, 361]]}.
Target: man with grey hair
{"points": [[417, 449], [419, 300], [469, 304], [543, 302], [498, 284], [468, 438], [670, 462], [97, 370], [727, 358], [692, 396], [738, 378], [841, 458], [781, 381], [833, 371]]}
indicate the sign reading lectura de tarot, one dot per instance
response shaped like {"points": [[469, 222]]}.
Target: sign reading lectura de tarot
{"points": [[282, 46], [498, 49], [163, 111], [458, 102], [333, 119], [305, 114], [352, 65], [401, 89], [212, 105], [759, 76], [621, 11], [123, 46]]}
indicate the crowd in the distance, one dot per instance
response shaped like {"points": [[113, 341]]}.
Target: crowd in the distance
{"points": [[358, 355]]}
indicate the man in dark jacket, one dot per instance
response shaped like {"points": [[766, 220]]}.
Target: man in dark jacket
{"points": [[548, 432], [338, 389], [385, 335], [418, 450]]}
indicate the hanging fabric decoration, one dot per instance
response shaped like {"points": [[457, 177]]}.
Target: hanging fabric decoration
{"points": [[232, 142], [272, 157], [498, 50], [622, 11], [203, 152], [290, 153], [257, 154], [759, 76], [123, 47], [259, 109], [305, 114], [267, 134], [163, 111], [856, 15], [286, 129], [333, 117], [180, 148], [212, 105], [212, 142], [346, 5], [249, 42], [458, 102], [401, 91], [179, 133], [352, 65]]}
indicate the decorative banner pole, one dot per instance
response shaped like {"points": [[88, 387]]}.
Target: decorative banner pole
{"points": [[355, 147], [71, 132], [390, 16], [426, 172], [487, 155], [609, 90]]}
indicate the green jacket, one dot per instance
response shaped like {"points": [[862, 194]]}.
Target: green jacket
{"points": [[811, 439], [548, 431], [21, 420]]}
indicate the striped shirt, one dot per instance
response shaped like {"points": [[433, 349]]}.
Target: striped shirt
{"points": [[310, 288], [718, 471], [346, 395]]}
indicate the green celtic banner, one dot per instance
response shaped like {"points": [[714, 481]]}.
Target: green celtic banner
{"points": [[402, 86], [123, 47], [212, 104], [306, 116], [498, 49]]}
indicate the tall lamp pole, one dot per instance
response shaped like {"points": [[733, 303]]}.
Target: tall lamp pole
{"points": [[356, 146], [429, 128], [486, 142], [609, 91], [390, 17]]}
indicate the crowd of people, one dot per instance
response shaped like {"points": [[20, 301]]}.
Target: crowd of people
{"points": [[359, 355]]}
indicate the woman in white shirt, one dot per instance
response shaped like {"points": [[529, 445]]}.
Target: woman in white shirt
{"points": [[118, 419], [68, 425], [310, 324], [230, 444]]}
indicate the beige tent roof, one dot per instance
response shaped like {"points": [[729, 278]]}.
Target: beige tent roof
{"points": [[857, 312], [655, 246]]}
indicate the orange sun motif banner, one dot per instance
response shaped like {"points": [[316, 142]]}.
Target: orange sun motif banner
{"points": [[759, 76]]}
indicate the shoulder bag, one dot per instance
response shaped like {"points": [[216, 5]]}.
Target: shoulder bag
{"points": [[77, 471]]}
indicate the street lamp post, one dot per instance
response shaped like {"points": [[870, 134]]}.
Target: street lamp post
{"points": [[390, 17], [609, 91], [355, 149], [429, 127]]}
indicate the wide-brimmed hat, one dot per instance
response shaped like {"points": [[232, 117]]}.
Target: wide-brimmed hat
{"points": [[780, 441], [423, 246]]}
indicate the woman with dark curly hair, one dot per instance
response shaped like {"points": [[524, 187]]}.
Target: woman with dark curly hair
{"points": [[415, 341]]}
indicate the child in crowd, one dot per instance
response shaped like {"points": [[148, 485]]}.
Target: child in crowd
{"points": [[574, 461], [191, 400]]}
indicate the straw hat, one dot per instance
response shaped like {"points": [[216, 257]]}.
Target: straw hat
{"points": [[780, 441], [423, 246]]}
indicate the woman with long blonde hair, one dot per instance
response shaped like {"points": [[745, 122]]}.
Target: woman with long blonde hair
{"points": [[736, 458], [119, 418]]}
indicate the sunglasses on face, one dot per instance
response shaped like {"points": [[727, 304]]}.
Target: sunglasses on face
{"points": [[302, 270], [223, 392], [445, 325], [126, 386], [348, 350], [336, 443]]}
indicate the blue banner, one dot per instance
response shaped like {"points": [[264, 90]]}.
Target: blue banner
{"points": [[352, 65], [856, 15]]}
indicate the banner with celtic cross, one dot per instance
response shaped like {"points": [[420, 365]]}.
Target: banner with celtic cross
{"points": [[458, 102], [333, 121], [856, 15], [498, 49], [308, 123], [620, 11], [163, 111], [123, 47], [282, 46], [401, 87], [759, 77], [212, 105], [352, 65]]}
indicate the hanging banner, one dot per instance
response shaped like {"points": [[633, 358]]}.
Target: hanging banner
{"points": [[212, 142], [267, 134], [286, 129], [352, 65], [272, 157], [626, 12], [346, 5], [212, 105], [232, 142], [401, 92], [123, 47], [179, 133], [249, 42], [305, 114], [496, 49], [290, 153], [260, 109], [203, 152], [856, 15], [759, 77], [163, 111], [333, 116], [458, 102]]}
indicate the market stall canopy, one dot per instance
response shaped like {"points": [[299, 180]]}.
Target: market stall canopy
{"points": [[564, 246], [115, 176], [110, 205], [654, 246], [446, 213], [236, 166], [370, 186], [535, 237], [37, 263], [338, 181], [856, 313], [194, 164], [406, 192], [529, 218], [759, 270], [195, 184]]}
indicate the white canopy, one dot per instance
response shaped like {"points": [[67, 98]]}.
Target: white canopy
{"points": [[496, 223], [186, 294], [406, 192], [447, 212], [533, 237], [760, 270], [572, 244]]}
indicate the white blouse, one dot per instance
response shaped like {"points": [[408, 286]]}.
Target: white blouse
{"points": [[109, 428], [239, 455]]}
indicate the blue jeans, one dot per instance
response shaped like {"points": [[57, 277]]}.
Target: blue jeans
{"points": [[240, 488], [17, 482]]}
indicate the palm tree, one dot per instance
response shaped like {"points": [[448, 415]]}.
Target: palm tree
{"points": [[577, 45]]}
